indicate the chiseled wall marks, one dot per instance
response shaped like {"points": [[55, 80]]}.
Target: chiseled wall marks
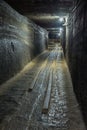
{"points": [[18, 41], [77, 54]]}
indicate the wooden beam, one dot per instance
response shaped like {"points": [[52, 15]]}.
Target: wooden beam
{"points": [[48, 95], [34, 81]]}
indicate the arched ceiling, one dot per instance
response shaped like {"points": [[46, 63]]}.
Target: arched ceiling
{"points": [[46, 13]]}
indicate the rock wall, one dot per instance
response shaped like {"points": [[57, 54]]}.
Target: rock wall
{"points": [[20, 41], [40, 38], [77, 52]]}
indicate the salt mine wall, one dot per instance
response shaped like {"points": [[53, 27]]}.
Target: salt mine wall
{"points": [[20, 41], [40, 37], [77, 52]]}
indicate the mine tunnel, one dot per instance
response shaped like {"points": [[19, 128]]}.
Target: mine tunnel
{"points": [[43, 65]]}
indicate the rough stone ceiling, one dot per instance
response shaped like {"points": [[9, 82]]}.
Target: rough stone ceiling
{"points": [[44, 12]]}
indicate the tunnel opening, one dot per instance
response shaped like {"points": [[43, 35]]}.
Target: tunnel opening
{"points": [[37, 32]]}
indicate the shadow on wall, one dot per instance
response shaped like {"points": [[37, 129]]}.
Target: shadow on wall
{"points": [[20, 41], [77, 54]]}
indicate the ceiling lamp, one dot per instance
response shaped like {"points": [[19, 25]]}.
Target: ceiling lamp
{"points": [[59, 34], [61, 19], [60, 29]]}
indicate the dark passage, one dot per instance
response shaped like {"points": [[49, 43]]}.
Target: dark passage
{"points": [[43, 65]]}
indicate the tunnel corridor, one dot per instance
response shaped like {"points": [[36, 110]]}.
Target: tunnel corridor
{"points": [[42, 95], [43, 65]]}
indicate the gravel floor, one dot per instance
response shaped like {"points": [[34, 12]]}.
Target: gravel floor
{"points": [[21, 109]]}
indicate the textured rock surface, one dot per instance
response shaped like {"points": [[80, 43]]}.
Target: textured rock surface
{"points": [[77, 52], [19, 40]]}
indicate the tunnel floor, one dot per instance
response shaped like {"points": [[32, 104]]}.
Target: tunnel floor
{"points": [[41, 97]]}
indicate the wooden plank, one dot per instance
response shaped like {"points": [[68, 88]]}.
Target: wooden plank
{"points": [[34, 81], [48, 95], [36, 77]]}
